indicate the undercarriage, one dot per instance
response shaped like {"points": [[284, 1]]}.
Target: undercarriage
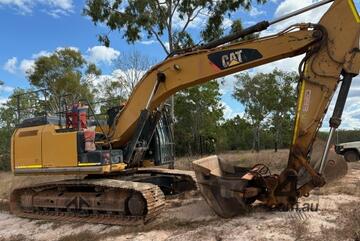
{"points": [[118, 200]]}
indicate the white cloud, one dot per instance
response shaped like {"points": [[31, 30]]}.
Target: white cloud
{"points": [[54, 8], [27, 66], [62, 4], [230, 113], [249, 23], [351, 114], [167, 45], [198, 22], [256, 12], [227, 84], [289, 6], [287, 64], [227, 23], [102, 54], [41, 54], [149, 42], [3, 100], [10, 65], [6, 88]]}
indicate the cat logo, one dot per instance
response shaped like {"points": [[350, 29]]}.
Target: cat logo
{"points": [[234, 58], [230, 58]]}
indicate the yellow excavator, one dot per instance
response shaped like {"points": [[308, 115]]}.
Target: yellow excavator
{"points": [[119, 187]]}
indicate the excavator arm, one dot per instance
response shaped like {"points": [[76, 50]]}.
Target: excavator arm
{"points": [[335, 61], [329, 61]]}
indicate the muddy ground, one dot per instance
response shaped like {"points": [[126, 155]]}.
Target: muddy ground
{"points": [[335, 216]]}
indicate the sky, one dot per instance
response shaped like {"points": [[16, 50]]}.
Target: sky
{"points": [[33, 28]]}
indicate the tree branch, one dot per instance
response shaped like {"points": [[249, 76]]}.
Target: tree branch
{"points": [[158, 39], [191, 18], [161, 11], [175, 7], [170, 33]]}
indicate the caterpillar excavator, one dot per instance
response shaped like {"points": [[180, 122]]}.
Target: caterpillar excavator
{"points": [[121, 184]]}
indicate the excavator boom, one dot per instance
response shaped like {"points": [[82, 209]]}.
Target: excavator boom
{"points": [[196, 67]]}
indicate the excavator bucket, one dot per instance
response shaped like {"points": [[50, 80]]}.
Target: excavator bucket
{"points": [[335, 169], [229, 189], [223, 186]]}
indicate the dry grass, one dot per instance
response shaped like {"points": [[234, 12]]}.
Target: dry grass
{"points": [[349, 217], [299, 229], [18, 237], [82, 236], [351, 214], [4, 205], [276, 161], [338, 187], [185, 163]]}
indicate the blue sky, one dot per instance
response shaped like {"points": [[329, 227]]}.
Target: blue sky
{"points": [[30, 28]]}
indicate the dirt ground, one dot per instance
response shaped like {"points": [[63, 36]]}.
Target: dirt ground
{"points": [[335, 215]]}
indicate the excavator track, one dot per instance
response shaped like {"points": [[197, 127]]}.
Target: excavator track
{"points": [[102, 201]]}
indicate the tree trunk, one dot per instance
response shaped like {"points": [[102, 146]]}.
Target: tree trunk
{"points": [[276, 139], [254, 140], [258, 139]]}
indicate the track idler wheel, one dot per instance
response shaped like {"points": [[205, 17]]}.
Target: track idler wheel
{"points": [[136, 204]]}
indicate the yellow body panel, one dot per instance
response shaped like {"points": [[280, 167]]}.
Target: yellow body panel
{"points": [[41, 147], [42, 150], [27, 147], [59, 149]]}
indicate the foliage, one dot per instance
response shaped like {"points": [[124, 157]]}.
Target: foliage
{"points": [[198, 114], [269, 101], [109, 93], [9, 118], [5, 133], [237, 26], [341, 135], [255, 93], [237, 134], [156, 19], [283, 108], [64, 72]]}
